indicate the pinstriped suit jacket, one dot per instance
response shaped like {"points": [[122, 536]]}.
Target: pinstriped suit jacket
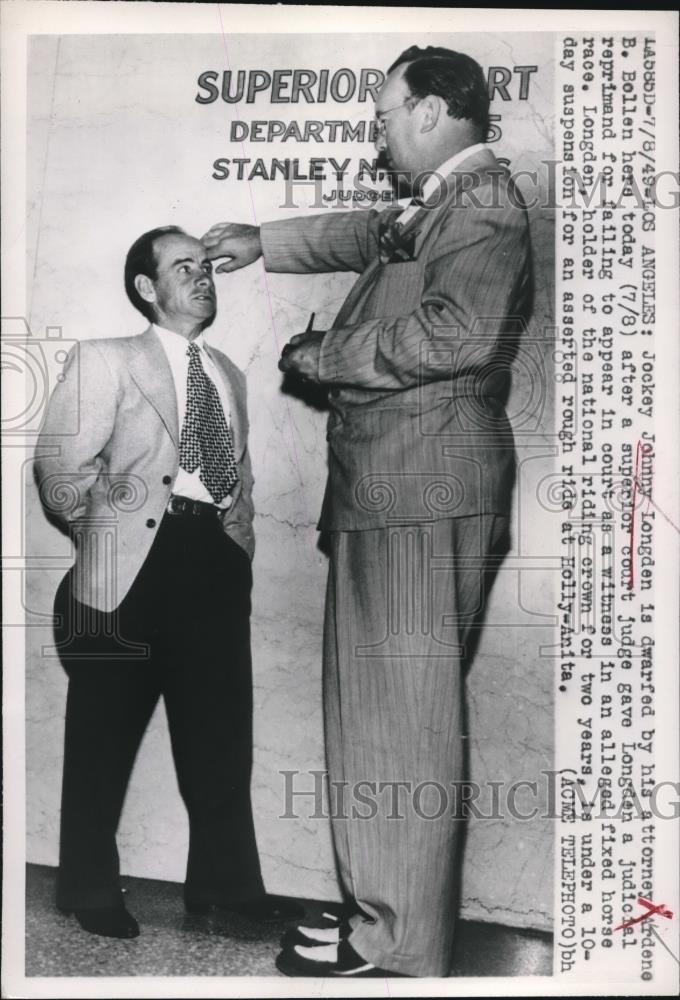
{"points": [[417, 361]]}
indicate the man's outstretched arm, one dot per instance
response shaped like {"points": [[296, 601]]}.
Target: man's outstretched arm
{"points": [[345, 241]]}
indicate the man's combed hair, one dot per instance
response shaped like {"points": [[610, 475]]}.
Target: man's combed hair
{"points": [[454, 77], [141, 259]]}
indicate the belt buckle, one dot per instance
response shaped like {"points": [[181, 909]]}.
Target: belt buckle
{"points": [[175, 505], [186, 506]]}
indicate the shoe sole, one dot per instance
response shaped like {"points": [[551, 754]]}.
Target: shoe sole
{"points": [[295, 966]]}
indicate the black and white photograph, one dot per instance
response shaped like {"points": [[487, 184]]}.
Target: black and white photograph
{"points": [[341, 524]]}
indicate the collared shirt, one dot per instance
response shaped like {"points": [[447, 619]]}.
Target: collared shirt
{"points": [[431, 184], [188, 484]]}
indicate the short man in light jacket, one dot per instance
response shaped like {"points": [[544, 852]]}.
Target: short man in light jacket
{"points": [[155, 489]]}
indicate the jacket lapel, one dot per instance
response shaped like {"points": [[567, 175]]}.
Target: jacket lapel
{"points": [[477, 164], [421, 222], [150, 370]]}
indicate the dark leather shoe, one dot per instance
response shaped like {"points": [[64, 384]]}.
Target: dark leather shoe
{"points": [[265, 910], [111, 921], [349, 965]]}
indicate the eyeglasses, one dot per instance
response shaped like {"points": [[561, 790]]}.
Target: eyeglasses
{"points": [[379, 120]]}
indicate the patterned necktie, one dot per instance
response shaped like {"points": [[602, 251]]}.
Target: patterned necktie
{"points": [[393, 246], [206, 439]]}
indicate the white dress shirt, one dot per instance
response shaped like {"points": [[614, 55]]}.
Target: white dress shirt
{"points": [[433, 181], [188, 484]]}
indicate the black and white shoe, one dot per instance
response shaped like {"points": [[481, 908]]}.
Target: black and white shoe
{"points": [[339, 961], [315, 937]]}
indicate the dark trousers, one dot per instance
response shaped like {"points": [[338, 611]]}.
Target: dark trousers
{"points": [[183, 632]]}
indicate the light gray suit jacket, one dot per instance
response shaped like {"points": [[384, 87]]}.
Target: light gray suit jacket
{"points": [[108, 454], [418, 358]]}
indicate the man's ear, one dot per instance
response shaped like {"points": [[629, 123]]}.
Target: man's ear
{"points": [[145, 288], [430, 110]]}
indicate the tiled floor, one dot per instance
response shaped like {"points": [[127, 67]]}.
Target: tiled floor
{"points": [[173, 943]]}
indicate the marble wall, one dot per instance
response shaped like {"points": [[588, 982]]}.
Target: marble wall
{"points": [[118, 145]]}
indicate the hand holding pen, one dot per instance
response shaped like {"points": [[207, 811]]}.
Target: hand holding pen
{"points": [[301, 354]]}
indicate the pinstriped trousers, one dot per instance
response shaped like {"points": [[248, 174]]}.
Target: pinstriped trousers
{"points": [[399, 608]]}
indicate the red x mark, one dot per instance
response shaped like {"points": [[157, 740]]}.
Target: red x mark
{"points": [[651, 910]]}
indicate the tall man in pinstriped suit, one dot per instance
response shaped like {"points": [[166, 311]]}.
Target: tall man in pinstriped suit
{"points": [[421, 469]]}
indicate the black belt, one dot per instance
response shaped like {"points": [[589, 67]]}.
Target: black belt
{"points": [[184, 507]]}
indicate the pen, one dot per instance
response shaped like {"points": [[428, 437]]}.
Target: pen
{"points": [[310, 325]]}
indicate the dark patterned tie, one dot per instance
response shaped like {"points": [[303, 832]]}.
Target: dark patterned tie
{"points": [[206, 439], [393, 246]]}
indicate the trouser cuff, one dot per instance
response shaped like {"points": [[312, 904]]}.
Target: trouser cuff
{"points": [[391, 961]]}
